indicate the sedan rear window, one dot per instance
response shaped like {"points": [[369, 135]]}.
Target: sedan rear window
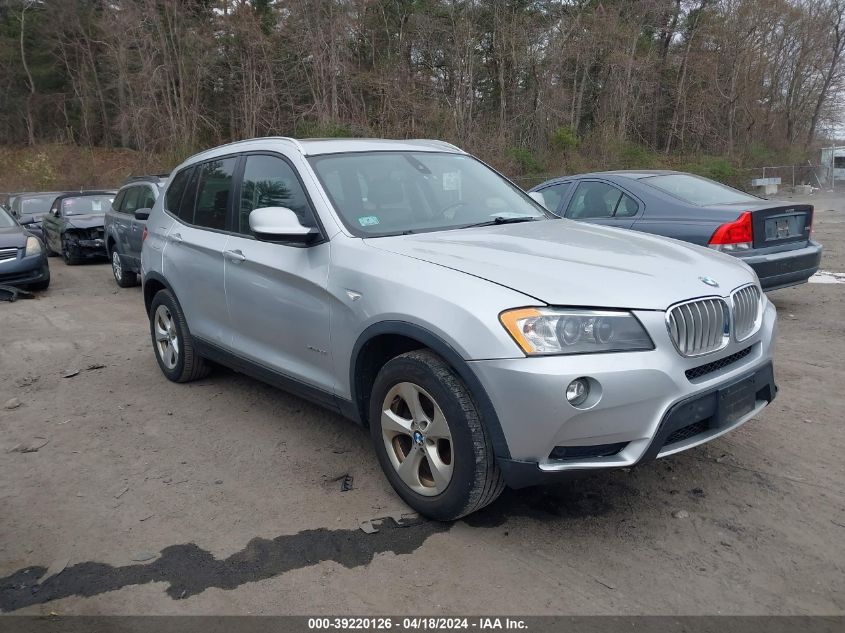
{"points": [[697, 190]]}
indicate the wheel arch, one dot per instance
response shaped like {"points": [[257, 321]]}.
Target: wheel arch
{"points": [[387, 339], [152, 283]]}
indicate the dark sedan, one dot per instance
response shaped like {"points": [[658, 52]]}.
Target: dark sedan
{"points": [[772, 237], [23, 260], [29, 208], [74, 225]]}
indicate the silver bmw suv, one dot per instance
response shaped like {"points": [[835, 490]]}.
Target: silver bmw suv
{"points": [[483, 342]]}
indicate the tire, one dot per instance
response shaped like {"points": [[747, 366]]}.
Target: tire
{"points": [[70, 261], [474, 479], [124, 278], [187, 364]]}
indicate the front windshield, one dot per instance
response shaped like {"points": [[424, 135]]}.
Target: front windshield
{"points": [[388, 193], [6, 220], [697, 190], [84, 205], [33, 205]]}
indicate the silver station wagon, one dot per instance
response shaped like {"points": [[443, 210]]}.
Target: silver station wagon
{"points": [[483, 341]]}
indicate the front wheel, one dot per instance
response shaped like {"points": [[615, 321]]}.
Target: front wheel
{"points": [[123, 277], [69, 259], [172, 342], [429, 438]]}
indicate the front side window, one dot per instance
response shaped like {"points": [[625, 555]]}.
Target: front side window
{"points": [[388, 193], [86, 205], [130, 200], [270, 181], [593, 199], [553, 195], [214, 192], [146, 199], [696, 190]]}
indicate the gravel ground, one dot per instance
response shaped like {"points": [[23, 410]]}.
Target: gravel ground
{"points": [[139, 496]]}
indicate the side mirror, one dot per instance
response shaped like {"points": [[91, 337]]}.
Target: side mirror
{"points": [[280, 224], [536, 196], [143, 214]]}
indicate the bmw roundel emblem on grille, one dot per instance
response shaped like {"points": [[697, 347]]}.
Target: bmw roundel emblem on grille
{"points": [[709, 281]]}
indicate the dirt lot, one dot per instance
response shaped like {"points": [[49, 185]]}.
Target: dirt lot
{"points": [[223, 496]]}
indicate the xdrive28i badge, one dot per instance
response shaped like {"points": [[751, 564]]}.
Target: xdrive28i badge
{"points": [[709, 281]]}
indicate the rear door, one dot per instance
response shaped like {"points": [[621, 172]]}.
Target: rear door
{"points": [[200, 198], [278, 301], [601, 202]]}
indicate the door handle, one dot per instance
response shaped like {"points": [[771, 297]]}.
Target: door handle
{"points": [[175, 237], [234, 256]]}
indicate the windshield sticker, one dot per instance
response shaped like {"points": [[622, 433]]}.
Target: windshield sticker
{"points": [[368, 220], [450, 180], [96, 205]]}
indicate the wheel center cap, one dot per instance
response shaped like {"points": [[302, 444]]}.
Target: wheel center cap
{"points": [[418, 437]]}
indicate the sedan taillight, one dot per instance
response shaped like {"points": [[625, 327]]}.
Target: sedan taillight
{"points": [[144, 235], [734, 236]]}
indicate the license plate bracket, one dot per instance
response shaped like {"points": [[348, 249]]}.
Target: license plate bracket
{"points": [[737, 400]]}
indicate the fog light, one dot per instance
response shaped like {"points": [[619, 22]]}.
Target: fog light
{"points": [[578, 391]]}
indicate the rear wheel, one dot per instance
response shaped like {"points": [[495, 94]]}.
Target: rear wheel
{"points": [[123, 277], [430, 439], [172, 342]]}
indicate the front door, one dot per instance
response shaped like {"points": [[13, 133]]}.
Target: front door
{"points": [[599, 202], [277, 297]]}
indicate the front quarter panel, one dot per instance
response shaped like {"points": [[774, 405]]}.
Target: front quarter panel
{"points": [[373, 286]]}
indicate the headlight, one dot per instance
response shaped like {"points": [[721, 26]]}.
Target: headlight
{"points": [[568, 331], [33, 246]]}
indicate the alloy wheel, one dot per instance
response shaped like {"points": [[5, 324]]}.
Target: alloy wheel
{"points": [[116, 266], [166, 337], [417, 438]]}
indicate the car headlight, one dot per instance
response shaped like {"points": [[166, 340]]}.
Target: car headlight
{"points": [[33, 246], [570, 331]]}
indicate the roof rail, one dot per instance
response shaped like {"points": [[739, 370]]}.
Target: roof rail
{"points": [[291, 140]]}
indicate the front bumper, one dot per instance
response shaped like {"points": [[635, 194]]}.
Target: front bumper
{"points": [[645, 398], [86, 248], [24, 270], [786, 268]]}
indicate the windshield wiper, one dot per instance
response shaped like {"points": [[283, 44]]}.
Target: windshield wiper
{"points": [[501, 219]]}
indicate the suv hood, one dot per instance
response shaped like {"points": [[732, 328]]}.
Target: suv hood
{"points": [[561, 262], [86, 221]]}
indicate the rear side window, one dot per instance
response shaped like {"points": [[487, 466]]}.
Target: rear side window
{"points": [[176, 190], [270, 182], [626, 207], [214, 193], [188, 203]]}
